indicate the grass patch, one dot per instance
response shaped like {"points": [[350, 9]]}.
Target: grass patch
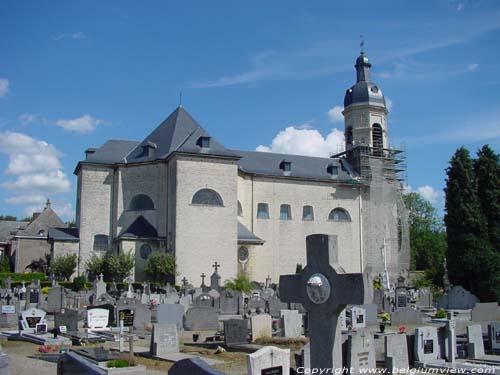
{"points": [[118, 363]]}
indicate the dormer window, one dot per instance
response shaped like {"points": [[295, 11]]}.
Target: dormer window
{"points": [[332, 170], [147, 150], [203, 142], [286, 166]]}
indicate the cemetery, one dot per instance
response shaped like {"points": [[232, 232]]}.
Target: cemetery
{"points": [[320, 318]]}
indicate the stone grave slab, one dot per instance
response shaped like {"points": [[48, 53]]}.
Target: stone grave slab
{"points": [[274, 306], [269, 360], [458, 298], [127, 316], [201, 319], [164, 339], [371, 314], [235, 331], [256, 304], [204, 300], [55, 299], [112, 312], [485, 312], [229, 302], [67, 318], [261, 326], [361, 351], [396, 353], [97, 318], [193, 366], [186, 301], [494, 336], [171, 314], [291, 323], [358, 317], [427, 348], [475, 343], [142, 316], [30, 318], [406, 315]]}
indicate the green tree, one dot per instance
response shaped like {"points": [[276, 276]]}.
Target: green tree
{"points": [[64, 266], [466, 227], [4, 263], [96, 265], [160, 267], [427, 237], [240, 283], [120, 266]]}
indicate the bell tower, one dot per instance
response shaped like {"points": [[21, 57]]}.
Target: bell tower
{"points": [[365, 111]]}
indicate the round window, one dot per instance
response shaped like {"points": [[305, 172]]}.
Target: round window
{"points": [[145, 251], [243, 254]]}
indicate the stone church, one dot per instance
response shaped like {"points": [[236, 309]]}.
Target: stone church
{"points": [[181, 191]]}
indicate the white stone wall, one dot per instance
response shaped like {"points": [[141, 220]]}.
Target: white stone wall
{"points": [[148, 179], [285, 239], [95, 208], [205, 234], [361, 119]]}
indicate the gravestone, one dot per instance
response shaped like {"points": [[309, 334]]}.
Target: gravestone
{"points": [[426, 342], [142, 316], [343, 321], [424, 297], [235, 331], [99, 286], [324, 290], [229, 302], [401, 298], [164, 339], [127, 316], [112, 312], [291, 323], [406, 315], [274, 307], [33, 296], [97, 318], [186, 301], [458, 298], [475, 343], [396, 352], [450, 340], [370, 314], [358, 316], [269, 360], [256, 303], [261, 326], [485, 312], [494, 336], [55, 299], [193, 366], [361, 351], [305, 354], [171, 314], [215, 281], [204, 300], [30, 318], [201, 319], [67, 318]]}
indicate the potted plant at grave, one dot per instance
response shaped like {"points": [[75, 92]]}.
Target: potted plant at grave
{"points": [[386, 318], [196, 334]]}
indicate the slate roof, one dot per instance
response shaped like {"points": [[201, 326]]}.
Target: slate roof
{"points": [[268, 164], [245, 236], [9, 228], [47, 219], [140, 228], [63, 234], [180, 133]]}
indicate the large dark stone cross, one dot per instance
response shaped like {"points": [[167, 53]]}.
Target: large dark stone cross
{"points": [[324, 290]]}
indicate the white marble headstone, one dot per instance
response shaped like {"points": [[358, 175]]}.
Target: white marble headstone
{"points": [[269, 358], [97, 318]]}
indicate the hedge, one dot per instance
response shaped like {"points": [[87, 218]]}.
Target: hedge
{"points": [[18, 278]]}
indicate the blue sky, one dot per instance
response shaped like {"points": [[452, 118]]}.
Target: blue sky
{"points": [[271, 74]]}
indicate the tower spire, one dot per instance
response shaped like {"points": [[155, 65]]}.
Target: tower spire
{"points": [[361, 44]]}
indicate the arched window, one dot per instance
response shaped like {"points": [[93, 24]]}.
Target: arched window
{"points": [[240, 209], [377, 140], [307, 213], [348, 138], [263, 211], [141, 202], [145, 251], [207, 197], [101, 242], [339, 214], [285, 212]]}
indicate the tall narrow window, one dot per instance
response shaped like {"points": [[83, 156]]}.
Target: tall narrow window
{"points": [[348, 138], [307, 213], [285, 212], [377, 140], [263, 211], [100, 242], [240, 209], [339, 214]]}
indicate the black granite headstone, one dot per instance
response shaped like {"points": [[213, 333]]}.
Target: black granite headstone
{"points": [[235, 331]]}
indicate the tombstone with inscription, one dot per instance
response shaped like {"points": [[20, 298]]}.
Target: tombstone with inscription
{"points": [[229, 302], [358, 316], [291, 323], [112, 312], [164, 339], [204, 300], [261, 326], [33, 294], [142, 316], [127, 316], [201, 319], [67, 318], [256, 304], [30, 318], [475, 343], [396, 353], [235, 331], [55, 299], [97, 318], [494, 337], [401, 297], [426, 343], [269, 360], [361, 351], [324, 290]]}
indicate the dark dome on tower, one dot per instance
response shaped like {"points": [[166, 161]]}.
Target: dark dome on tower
{"points": [[364, 91]]}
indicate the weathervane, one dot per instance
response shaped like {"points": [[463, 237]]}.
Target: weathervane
{"points": [[180, 98], [362, 44]]}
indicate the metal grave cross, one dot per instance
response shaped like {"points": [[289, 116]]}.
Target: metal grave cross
{"points": [[216, 266], [203, 279], [324, 290]]}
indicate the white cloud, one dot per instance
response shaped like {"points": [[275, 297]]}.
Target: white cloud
{"points": [[24, 199], [4, 87], [429, 193], [305, 141], [29, 118], [78, 35], [335, 114], [472, 67], [35, 164], [83, 125]]}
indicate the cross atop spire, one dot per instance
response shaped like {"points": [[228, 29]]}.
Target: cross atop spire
{"points": [[362, 44], [47, 204]]}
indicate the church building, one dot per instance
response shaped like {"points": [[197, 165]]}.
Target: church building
{"points": [[181, 191]]}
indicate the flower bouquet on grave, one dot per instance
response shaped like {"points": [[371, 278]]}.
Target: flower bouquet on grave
{"points": [[385, 319], [401, 329]]}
